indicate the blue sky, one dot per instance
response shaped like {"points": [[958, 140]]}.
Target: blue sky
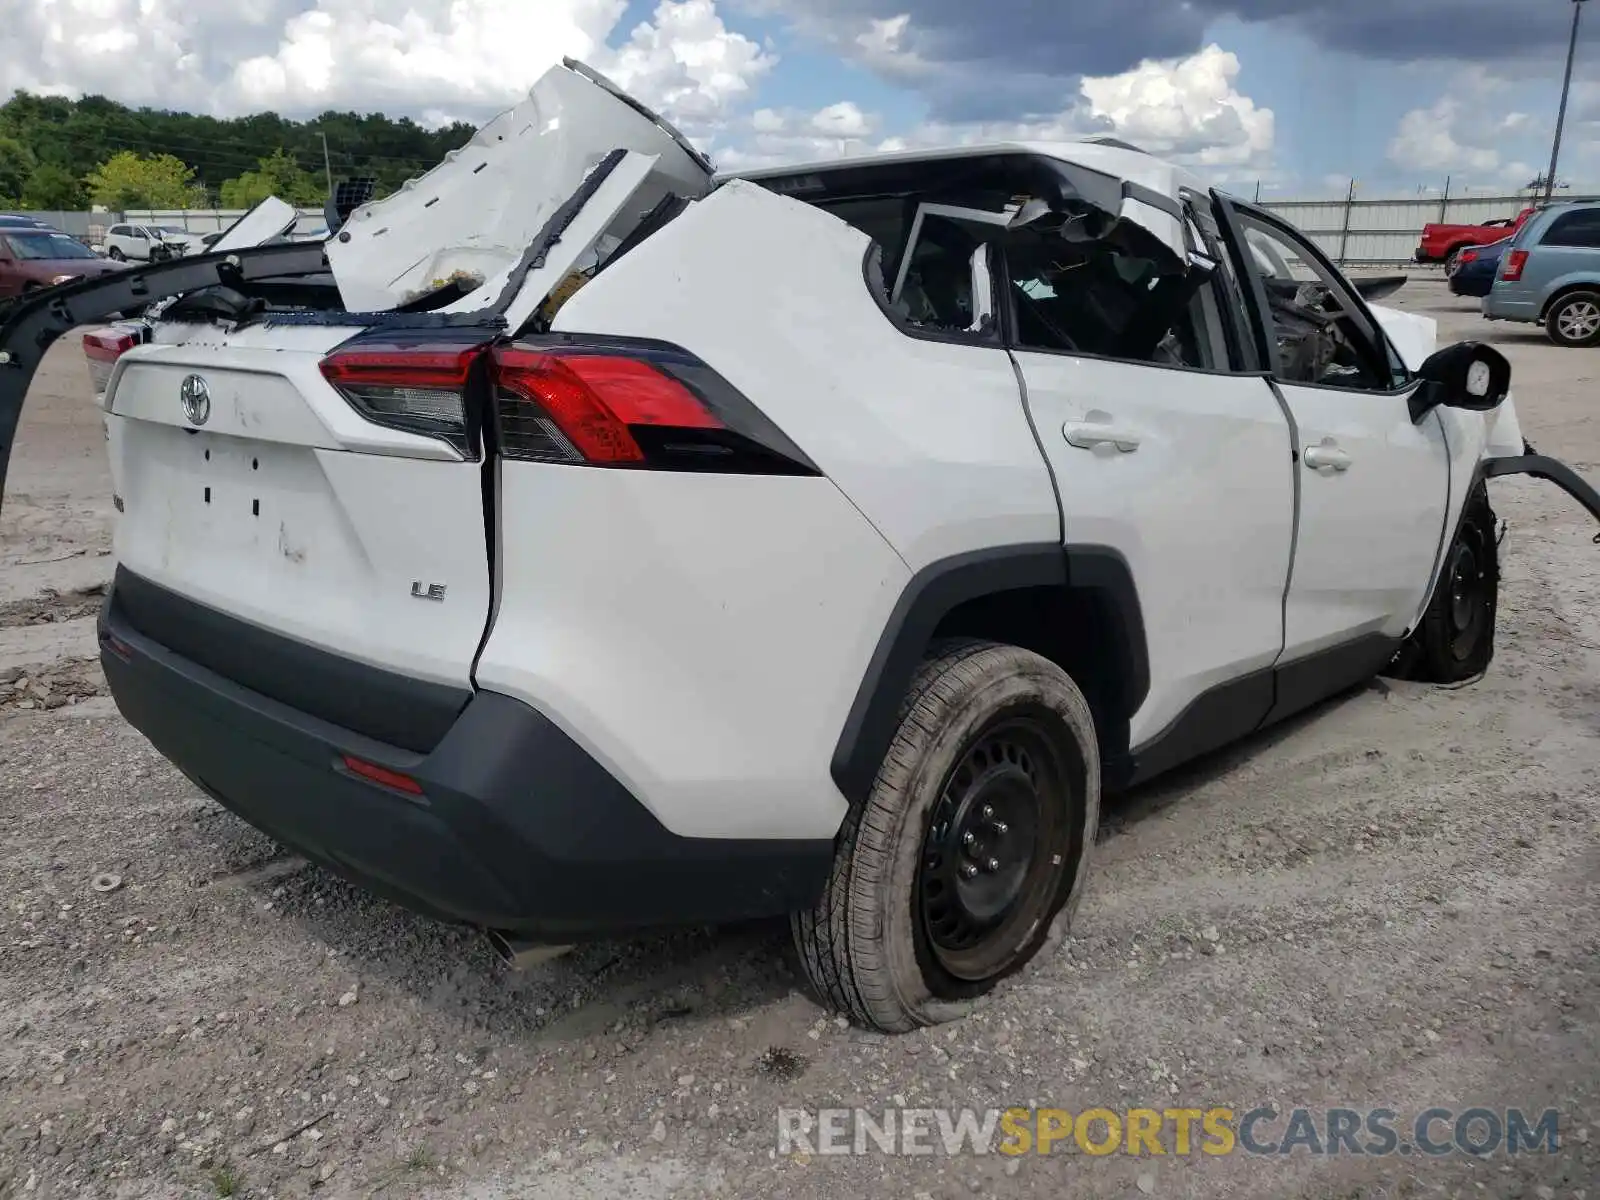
{"points": [[1298, 95]]}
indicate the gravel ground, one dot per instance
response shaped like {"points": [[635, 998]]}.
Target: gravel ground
{"points": [[1389, 903]]}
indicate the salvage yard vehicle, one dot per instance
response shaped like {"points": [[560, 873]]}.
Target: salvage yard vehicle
{"points": [[578, 542], [152, 243], [1550, 275], [1442, 242]]}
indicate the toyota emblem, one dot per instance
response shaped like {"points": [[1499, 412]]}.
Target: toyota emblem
{"points": [[195, 397]]}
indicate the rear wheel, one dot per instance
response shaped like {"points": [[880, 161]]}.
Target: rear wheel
{"points": [[116, 255], [1574, 320], [1454, 641], [970, 851]]}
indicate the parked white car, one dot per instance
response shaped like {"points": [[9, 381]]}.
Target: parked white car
{"points": [[579, 543], [146, 243]]}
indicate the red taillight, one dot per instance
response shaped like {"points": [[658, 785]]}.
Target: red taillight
{"points": [[102, 348], [597, 401], [1469, 256], [382, 775], [1511, 272], [108, 345], [418, 388], [584, 407]]}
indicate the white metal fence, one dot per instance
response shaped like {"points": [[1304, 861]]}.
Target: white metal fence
{"points": [[198, 220], [1349, 229], [1356, 230], [92, 226]]}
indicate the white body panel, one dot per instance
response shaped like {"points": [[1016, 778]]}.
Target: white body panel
{"points": [[1414, 335], [1202, 510], [1369, 534], [929, 439], [269, 219], [479, 210], [703, 636]]}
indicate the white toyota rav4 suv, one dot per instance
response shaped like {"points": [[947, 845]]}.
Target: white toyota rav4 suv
{"points": [[578, 543]]}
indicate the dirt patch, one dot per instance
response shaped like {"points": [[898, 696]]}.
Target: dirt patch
{"points": [[58, 685], [51, 607]]}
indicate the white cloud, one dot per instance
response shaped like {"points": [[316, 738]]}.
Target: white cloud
{"points": [[1467, 133], [456, 58], [1427, 141], [161, 52], [687, 61], [842, 120], [1188, 108], [771, 137]]}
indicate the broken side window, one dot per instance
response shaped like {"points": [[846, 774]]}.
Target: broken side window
{"points": [[1089, 295]]}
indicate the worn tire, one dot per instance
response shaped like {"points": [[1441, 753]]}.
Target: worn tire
{"points": [[1454, 641], [1565, 310], [867, 947]]}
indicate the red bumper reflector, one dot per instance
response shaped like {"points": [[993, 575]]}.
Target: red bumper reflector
{"points": [[382, 775]]}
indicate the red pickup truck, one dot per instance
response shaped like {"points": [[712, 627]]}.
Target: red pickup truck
{"points": [[1439, 242]]}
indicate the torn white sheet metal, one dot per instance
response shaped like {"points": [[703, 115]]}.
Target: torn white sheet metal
{"points": [[270, 219], [1166, 227], [477, 212], [615, 201]]}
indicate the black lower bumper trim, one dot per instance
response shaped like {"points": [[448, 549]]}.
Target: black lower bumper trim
{"points": [[517, 827], [412, 714]]}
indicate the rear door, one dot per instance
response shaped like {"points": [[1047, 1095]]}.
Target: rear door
{"points": [[1169, 452]]}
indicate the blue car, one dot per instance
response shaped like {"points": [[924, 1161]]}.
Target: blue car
{"points": [[1472, 270], [1551, 275]]}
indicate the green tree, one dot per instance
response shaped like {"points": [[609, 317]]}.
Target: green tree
{"points": [[129, 180], [278, 175], [16, 164], [52, 186], [80, 136]]}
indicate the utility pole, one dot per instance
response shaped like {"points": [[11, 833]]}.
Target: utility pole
{"points": [[327, 162], [1566, 88]]}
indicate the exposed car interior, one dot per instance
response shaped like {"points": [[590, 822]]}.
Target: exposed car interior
{"points": [[1071, 281]]}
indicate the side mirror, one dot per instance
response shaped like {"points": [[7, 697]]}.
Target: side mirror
{"points": [[1467, 375], [982, 290]]}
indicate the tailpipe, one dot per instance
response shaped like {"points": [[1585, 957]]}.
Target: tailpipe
{"points": [[520, 955]]}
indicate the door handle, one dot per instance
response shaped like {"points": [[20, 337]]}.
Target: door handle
{"points": [[1096, 430], [1327, 455]]}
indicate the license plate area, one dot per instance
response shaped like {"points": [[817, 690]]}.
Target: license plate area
{"points": [[239, 516]]}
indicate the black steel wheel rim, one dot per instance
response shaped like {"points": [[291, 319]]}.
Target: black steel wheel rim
{"points": [[992, 848], [1468, 608]]}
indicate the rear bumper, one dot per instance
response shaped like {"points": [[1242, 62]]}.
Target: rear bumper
{"points": [[1462, 284], [517, 828], [1498, 306]]}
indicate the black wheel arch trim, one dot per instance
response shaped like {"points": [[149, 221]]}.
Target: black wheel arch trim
{"points": [[1552, 470], [943, 586]]}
